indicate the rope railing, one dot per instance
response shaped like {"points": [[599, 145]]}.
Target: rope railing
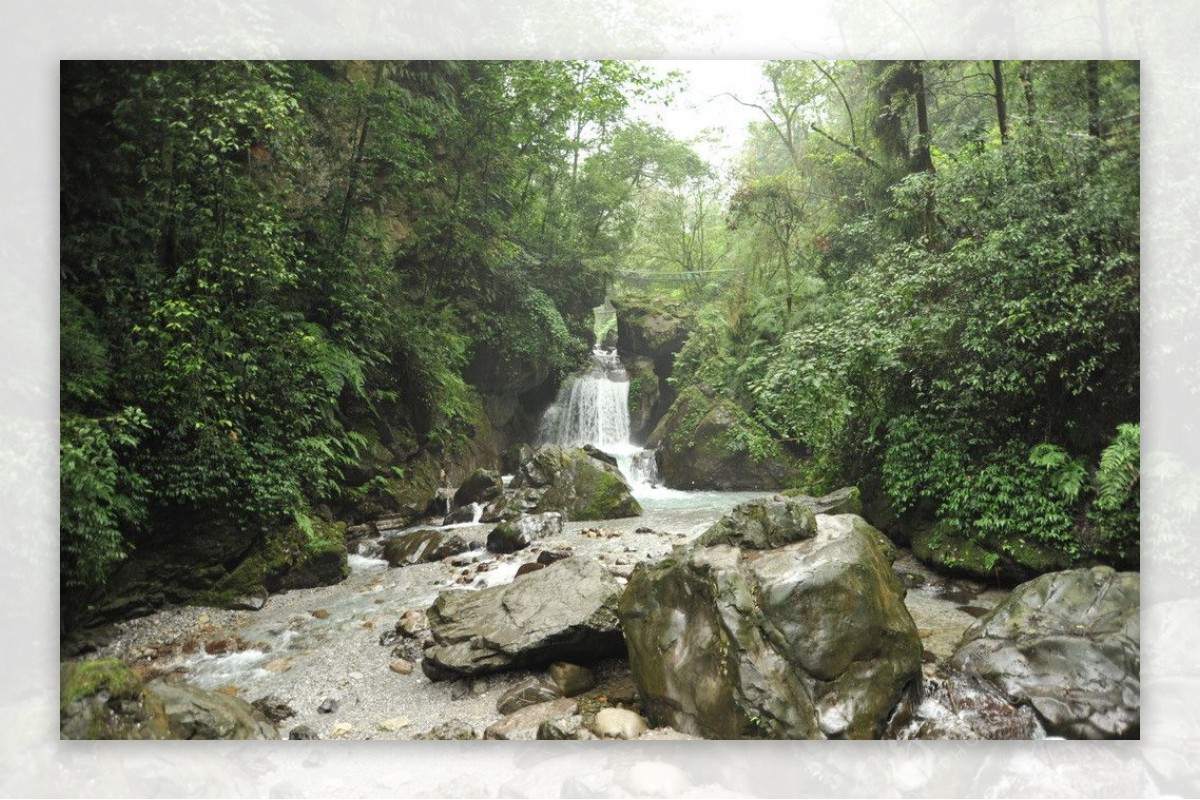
{"points": [[667, 277]]}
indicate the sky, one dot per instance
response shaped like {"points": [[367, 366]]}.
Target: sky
{"points": [[702, 105]]}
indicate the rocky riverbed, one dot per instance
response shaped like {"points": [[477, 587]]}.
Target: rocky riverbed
{"points": [[317, 653]]}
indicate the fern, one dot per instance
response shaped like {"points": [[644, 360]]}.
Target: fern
{"points": [[1119, 473]]}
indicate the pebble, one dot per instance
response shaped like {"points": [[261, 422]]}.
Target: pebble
{"points": [[394, 724], [401, 667], [356, 676], [321, 613], [341, 730], [328, 706]]}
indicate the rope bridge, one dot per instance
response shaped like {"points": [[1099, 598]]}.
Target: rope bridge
{"points": [[644, 278]]}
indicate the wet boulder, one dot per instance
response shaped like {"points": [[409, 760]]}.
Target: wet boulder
{"points": [[1066, 644], [509, 537], [774, 624], [424, 545], [565, 612], [481, 486], [569, 480], [195, 713]]}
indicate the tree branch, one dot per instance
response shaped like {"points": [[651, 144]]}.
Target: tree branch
{"points": [[858, 151]]}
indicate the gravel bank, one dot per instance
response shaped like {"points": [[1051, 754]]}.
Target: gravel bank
{"points": [[308, 646]]}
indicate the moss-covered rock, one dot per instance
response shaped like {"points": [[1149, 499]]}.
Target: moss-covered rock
{"points": [[105, 699], [568, 480], [650, 332], [645, 394], [1010, 562], [707, 442], [290, 557]]}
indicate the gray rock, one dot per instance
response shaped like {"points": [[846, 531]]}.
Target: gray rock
{"points": [[522, 725], [461, 514], [564, 728], [303, 732], [569, 480], [195, 713], [843, 501], [529, 692], [274, 708], [762, 525], [480, 486], [566, 612], [697, 447], [571, 679], [454, 729], [327, 706], [105, 699], [509, 537], [421, 546], [808, 640], [1066, 644]]}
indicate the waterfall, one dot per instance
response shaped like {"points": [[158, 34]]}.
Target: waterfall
{"points": [[593, 408]]}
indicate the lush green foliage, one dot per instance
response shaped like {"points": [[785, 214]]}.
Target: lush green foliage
{"points": [[99, 496], [261, 260], [958, 326]]}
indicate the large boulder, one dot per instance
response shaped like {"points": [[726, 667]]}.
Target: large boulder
{"points": [[652, 329], [565, 612], [221, 564], [195, 713], [704, 443], [775, 624], [509, 537], [480, 486], [569, 480], [105, 699], [1067, 644], [421, 546]]}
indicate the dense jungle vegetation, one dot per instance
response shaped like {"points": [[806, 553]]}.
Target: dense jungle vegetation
{"points": [[921, 278]]}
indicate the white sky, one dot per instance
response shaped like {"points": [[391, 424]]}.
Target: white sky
{"points": [[701, 104]]}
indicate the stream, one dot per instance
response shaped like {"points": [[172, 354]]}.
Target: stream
{"points": [[330, 646]]}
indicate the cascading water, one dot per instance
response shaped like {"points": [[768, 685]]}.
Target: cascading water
{"points": [[594, 409]]}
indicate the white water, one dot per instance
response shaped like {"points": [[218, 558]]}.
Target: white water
{"points": [[594, 409]]}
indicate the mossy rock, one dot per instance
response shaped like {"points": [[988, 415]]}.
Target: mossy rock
{"points": [[1013, 562], [572, 482], [645, 394], [703, 443], [289, 558], [105, 699]]}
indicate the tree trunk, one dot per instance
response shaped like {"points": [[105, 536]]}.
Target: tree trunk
{"points": [[1001, 108], [924, 160], [1093, 96], [1027, 85]]}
